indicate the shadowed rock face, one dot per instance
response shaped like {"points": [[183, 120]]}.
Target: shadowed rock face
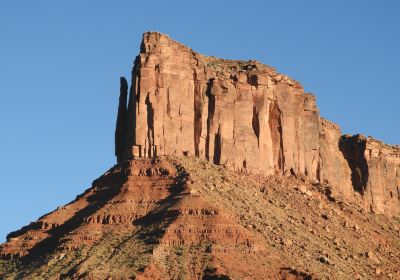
{"points": [[375, 171], [121, 120], [353, 149], [247, 117]]}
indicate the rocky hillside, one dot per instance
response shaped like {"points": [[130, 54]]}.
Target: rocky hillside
{"points": [[185, 218], [225, 170]]}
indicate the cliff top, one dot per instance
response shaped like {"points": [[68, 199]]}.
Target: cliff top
{"points": [[152, 39], [371, 140]]}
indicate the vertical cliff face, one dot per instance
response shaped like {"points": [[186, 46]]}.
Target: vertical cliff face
{"points": [[239, 114], [333, 168], [242, 115], [375, 172]]}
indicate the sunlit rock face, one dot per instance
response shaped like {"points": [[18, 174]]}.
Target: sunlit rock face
{"points": [[247, 117]]}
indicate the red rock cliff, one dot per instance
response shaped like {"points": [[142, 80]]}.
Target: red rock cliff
{"points": [[375, 172], [245, 116]]}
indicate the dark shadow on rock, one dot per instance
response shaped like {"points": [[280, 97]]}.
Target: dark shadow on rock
{"points": [[153, 225], [353, 149], [210, 116], [293, 274], [211, 274]]}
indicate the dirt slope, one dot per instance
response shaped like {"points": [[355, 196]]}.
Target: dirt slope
{"points": [[184, 218]]}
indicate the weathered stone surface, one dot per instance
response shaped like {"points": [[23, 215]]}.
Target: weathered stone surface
{"points": [[375, 172], [239, 114], [333, 168], [242, 115]]}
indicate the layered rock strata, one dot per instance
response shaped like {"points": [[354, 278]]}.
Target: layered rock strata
{"points": [[172, 216], [152, 202], [245, 116]]}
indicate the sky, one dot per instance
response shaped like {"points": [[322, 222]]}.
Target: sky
{"points": [[60, 63]]}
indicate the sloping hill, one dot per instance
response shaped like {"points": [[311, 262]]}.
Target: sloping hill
{"points": [[184, 218]]}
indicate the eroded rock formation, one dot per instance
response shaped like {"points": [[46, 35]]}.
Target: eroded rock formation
{"points": [[242, 115], [160, 215], [247, 117]]}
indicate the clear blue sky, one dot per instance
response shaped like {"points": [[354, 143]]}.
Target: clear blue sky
{"points": [[60, 63]]}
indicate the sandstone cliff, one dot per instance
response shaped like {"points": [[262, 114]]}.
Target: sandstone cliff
{"points": [[247, 117], [375, 172]]}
